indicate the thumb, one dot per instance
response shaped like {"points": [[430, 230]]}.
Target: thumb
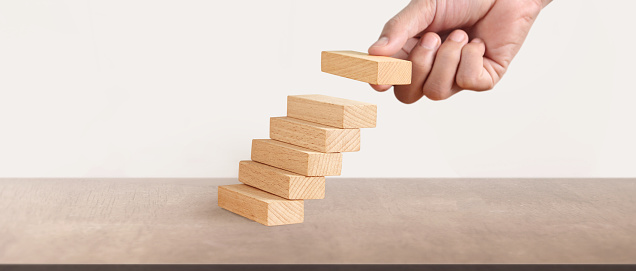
{"points": [[406, 24]]}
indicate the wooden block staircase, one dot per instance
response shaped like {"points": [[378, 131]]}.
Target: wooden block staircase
{"points": [[305, 146], [308, 143]]}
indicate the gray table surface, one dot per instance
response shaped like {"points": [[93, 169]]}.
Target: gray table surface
{"points": [[360, 221]]}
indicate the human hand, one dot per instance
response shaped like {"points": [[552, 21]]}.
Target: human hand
{"points": [[481, 37]]}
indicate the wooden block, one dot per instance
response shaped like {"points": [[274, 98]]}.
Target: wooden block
{"points": [[331, 111], [260, 206], [296, 159], [377, 70], [280, 182], [314, 136]]}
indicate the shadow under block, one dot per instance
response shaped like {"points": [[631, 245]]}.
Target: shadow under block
{"points": [[296, 159], [377, 70], [331, 111], [314, 136], [260, 206], [280, 182]]}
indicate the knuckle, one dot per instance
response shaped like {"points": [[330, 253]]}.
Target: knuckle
{"points": [[480, 89], [392, 23], [488, 87], [436, 97], [465, 81], [529, 10], [534, 6], [406, 100], [407, 96], [435, 94]]}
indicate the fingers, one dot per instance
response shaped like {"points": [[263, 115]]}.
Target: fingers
{"points": [[422, 57], [414, 18], [402, 54], [441, 70], [471, 73], [397, 37], [440, 83], [381, 88]]}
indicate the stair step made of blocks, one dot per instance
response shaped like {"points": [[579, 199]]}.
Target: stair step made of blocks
{"points": [[331, 111], [280, 182], [314, 136], [260, 206], [296, 159]]}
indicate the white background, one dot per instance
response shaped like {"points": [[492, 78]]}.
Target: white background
{"points": [[179, 88]]}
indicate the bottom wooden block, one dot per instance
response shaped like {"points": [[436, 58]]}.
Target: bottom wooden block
{"points": [[260, 206]]}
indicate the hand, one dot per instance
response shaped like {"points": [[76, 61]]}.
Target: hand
{"points": [[481, 37]]}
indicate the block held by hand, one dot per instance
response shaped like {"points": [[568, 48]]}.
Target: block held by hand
{"points": [[377, 70]]}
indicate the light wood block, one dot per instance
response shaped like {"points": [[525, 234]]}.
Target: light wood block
{"points": [[314, 136], [331, 111], [280, 182], [260, 206], [377, 70], [296, 159]]}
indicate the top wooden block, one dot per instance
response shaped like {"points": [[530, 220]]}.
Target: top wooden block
{"points": [[377, 70], [331, 111]]}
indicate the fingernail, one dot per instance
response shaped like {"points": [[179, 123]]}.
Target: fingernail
{"points": [[429, 42], [457, 36], [477, 40], [381, 42]]}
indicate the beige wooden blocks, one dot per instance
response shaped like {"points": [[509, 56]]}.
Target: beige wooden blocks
{"points": [[314, 136], [305, 146], [260, 206], [280, 182], [296, 159], [335, 112], [378, 70]]}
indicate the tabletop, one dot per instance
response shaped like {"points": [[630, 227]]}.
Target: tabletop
{"points": [[359, 221]]}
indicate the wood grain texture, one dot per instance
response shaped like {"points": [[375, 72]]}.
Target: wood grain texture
{"points": [[260, 206], [331, 111], [378, 70], [314, 136], [280, 182], [296, 159], [365, 221]]}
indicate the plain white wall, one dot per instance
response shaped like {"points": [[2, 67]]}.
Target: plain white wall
{"points": [[152, 88]]}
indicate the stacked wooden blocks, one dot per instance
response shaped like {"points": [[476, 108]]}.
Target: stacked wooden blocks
{"points": [[305, 146], [308, 143]]}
